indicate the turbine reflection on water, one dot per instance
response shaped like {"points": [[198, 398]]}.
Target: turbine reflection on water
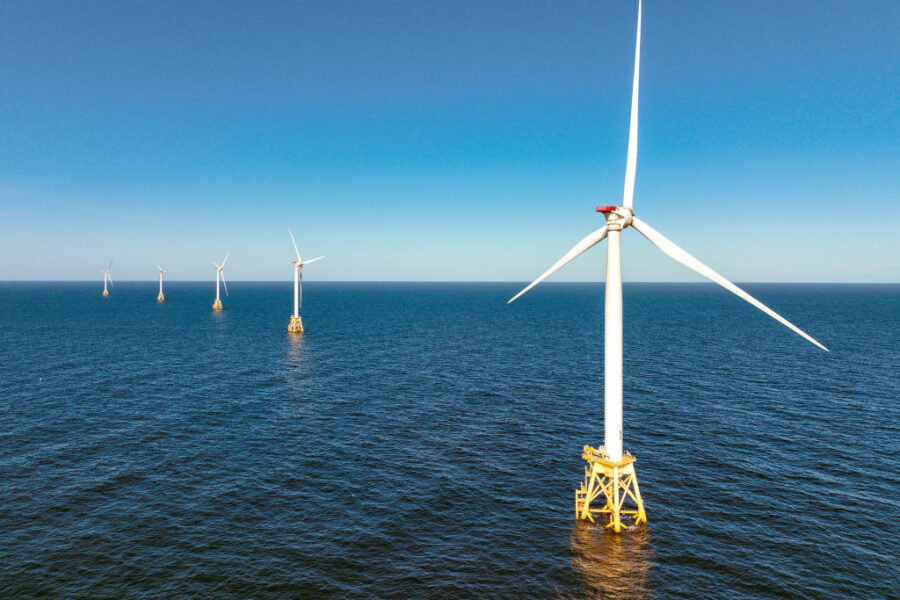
{"points": [[295, 352], [611, 566]]}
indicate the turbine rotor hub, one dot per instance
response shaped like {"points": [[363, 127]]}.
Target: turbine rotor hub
{"points": [[617, 217]]}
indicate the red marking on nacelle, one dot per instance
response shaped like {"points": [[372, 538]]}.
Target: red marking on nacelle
{"points": [[606, 209]]}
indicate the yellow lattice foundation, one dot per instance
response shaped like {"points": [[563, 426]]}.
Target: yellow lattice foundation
{"points": [[296, 325], [610, 483], [106, 292], [160, 298], [217, 305]]}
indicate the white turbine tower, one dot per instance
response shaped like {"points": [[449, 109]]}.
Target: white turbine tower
{"points": [[296, 324], [611, 474], [161, 297], [107, 278], [220, 275]]}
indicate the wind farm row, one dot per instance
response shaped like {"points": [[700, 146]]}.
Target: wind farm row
{"points": [[296, 322], [610, 477]]}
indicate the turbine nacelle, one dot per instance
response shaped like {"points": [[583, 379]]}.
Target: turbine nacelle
{"points": [[617, 217]]}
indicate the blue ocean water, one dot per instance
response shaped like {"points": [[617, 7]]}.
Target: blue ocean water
{"points": [[424, 440]]}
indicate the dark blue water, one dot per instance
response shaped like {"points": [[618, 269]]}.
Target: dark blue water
{"points": [[424, 440]]}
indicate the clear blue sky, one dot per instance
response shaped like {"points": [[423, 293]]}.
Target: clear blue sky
{"points": [[447, 141]]}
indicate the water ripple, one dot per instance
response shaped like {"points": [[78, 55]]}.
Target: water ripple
{"points": [[423, 441]]}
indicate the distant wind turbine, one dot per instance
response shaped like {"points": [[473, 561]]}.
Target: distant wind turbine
{"points": [[161, 297], [217, 305], [107, 278], [611, 474], [296, 324]]}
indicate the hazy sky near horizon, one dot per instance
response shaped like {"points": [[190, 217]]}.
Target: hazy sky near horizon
{"points": [[447, 141]]}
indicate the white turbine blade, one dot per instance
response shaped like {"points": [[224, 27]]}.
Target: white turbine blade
{"points": [[222, 275], [110, 280], [227, 254], [668, 247], [591, 240], [631, 165], [312, 260], [295, 245], [215, 265], [110, 266]]}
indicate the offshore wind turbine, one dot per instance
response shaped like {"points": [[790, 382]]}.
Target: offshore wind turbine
{"points": [[611, 474], [107, 278], [161, 297], [296, 323], [217, 305]]}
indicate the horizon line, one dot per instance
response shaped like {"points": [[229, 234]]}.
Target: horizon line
{"points": [[156, 280]]}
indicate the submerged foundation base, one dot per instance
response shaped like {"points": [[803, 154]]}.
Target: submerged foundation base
{"points": [[610, 484], [217, 305], [296, 325], [106, 292], [160, 298]]}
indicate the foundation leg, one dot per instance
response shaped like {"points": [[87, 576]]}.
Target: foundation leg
{"points": [[616, 522], [641, 516]]}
